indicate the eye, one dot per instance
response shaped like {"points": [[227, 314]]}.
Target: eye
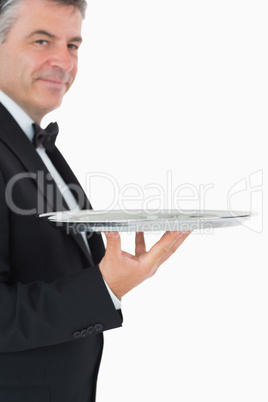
{"points": [[72, 46], [41, 42]]}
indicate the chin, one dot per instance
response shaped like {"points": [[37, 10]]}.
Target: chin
{"points": [[48, 107]]}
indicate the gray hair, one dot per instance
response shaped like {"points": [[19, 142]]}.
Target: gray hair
{"points": [[9, 12]]}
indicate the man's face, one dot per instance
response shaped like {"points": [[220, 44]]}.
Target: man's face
{"points": [[38, 60]]}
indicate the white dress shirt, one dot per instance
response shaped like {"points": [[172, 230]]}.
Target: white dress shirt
{"points": [[26, 124]]}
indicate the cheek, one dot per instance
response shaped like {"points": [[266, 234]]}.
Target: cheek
{"points": [[72, 77], [74, 72], [22, 73], [75, 66], [7, 67], [10, 73]]}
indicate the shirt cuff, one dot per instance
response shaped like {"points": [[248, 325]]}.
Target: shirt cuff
{"points": [[115, 300]]}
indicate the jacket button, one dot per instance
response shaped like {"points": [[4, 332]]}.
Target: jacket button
{"points": [[98, 327], [77, 334], [90, 331]]}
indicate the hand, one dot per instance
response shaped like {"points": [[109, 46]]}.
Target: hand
{"points": [[123, 271]]}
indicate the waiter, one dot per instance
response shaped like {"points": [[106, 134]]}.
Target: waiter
{"points": [[58, 291]]}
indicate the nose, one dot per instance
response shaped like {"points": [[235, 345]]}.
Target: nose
{"points": [[63, 59]]}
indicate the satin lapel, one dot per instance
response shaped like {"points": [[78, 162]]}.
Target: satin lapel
{"points": [[70, 179], [12, 135], [94, 239]]}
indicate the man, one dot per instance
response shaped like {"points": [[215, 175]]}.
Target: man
{"points": [[58, 291]]}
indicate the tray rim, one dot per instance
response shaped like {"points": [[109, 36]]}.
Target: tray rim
{"points": [[142, 225]]}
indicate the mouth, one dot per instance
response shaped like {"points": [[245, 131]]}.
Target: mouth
{"points": [[54, 82]]}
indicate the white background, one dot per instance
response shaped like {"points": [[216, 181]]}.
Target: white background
{"points": [[170, 110]]}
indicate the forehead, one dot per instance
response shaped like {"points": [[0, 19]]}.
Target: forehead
{"points": [[42, 14]]}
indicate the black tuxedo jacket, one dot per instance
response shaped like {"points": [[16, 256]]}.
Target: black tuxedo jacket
{"points": [[54, 304]]}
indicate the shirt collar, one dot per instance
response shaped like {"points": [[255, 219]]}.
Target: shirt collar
{"points": [[21, 117]]}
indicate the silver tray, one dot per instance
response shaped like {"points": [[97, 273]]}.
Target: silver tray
{"points": [[144, 220]]}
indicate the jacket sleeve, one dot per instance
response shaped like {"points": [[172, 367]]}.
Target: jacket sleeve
{"points": [[39, 313]]}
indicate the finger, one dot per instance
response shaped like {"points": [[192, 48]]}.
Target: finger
{"points": [[113, 242], [164, 245], [140, 246], [181, 238], [174, 247]]}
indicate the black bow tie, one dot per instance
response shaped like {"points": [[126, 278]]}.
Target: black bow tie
{"points": [[45, 137]]}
